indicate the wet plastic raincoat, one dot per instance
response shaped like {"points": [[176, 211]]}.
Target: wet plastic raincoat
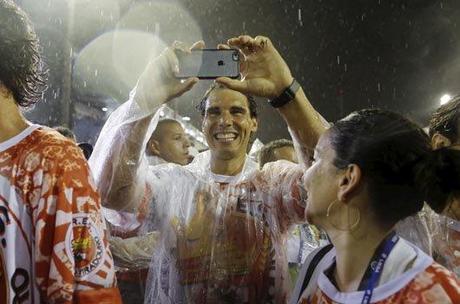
{"points": [[218, 239]]}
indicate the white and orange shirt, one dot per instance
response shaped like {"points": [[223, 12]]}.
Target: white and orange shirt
{"points": [[53, 246], [223, 238], [409, 276]]}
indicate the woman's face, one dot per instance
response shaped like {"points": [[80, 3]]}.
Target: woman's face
{"points": [[321, 182]]}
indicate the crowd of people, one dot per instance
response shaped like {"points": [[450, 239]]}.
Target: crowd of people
{"points": [[364, 210]]}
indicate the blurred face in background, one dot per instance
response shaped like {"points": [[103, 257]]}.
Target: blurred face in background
{"points": [[170, 143], [285, 153]]}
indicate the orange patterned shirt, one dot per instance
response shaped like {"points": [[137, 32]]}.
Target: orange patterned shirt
{"points": [[432, 286], [425, 282], [53, 246]]}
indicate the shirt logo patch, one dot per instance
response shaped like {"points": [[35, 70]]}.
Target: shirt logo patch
{"points": [[84, 241]]}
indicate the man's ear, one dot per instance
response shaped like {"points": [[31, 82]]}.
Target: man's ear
{"points": [[439, 141], [349, 182], [4, 92], [153, 146], [202, 124], [255, 124]]}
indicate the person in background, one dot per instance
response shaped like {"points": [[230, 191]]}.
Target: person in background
{"points": [[444, 131], [66, 132], [53, 242], [168, 144], [85, 147], [277, 150], [370, 170]]}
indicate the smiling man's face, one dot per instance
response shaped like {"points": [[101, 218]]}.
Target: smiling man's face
{"points": [[227, 123]]}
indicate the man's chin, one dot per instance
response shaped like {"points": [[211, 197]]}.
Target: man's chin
{"points": [[226, 154]]}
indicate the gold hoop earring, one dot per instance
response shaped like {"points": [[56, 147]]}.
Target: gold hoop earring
{"points": [[349, 212]]}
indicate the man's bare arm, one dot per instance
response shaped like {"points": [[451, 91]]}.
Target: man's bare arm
{"points": [[267, 75], [121, 189], [305, 125]]}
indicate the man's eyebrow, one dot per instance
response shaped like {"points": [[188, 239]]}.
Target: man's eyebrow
{"points": [[238, 108], [212, 109]]}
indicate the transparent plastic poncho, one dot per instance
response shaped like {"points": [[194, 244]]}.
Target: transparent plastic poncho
{"points": [[212, 239], [436, 234], [445, 232]]}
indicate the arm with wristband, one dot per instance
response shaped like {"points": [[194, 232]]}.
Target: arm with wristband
{"points": [[266, 74]]}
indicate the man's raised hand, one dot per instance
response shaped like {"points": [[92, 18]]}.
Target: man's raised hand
{"points": [[264, 71], [158, 82]]}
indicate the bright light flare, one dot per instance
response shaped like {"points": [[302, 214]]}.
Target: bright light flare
{"points": [[445, 99]]}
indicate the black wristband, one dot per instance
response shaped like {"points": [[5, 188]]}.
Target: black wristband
{"points": [[287, 95]]}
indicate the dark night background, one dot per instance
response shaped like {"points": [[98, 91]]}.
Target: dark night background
{"points": [[401, 55]]}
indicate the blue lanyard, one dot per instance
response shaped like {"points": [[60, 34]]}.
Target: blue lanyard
{"points": [[377, 266]]}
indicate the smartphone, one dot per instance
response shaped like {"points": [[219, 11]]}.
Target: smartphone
{"points": [[209, 64]]}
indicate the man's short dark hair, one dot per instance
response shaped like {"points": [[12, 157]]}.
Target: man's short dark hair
{"points": [[445, 120], [66, 132], [267, 153], [21, 67], [252, 104]]}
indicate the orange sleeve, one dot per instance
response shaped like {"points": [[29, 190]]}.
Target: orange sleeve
{"points": [[281, 179], [73, 261], [447, 279]]}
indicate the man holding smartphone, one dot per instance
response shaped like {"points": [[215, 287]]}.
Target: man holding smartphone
{"points": [[222, 222]]}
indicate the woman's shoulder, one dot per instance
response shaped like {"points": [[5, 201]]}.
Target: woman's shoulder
{"points": [[436, 284]]}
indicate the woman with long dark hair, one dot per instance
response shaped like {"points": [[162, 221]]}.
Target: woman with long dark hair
{"points": [[371, 170]]}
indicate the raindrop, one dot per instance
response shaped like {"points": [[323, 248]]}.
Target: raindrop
{"points": [[442, 5], [379, 87], [338, 59], [95, 73], [300, 17], [378, 59], [84, 84], [345, 67]]}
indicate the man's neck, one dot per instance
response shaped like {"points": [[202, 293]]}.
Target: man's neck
{"points": [[229, 167], [11, 120], [354, 250]]}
